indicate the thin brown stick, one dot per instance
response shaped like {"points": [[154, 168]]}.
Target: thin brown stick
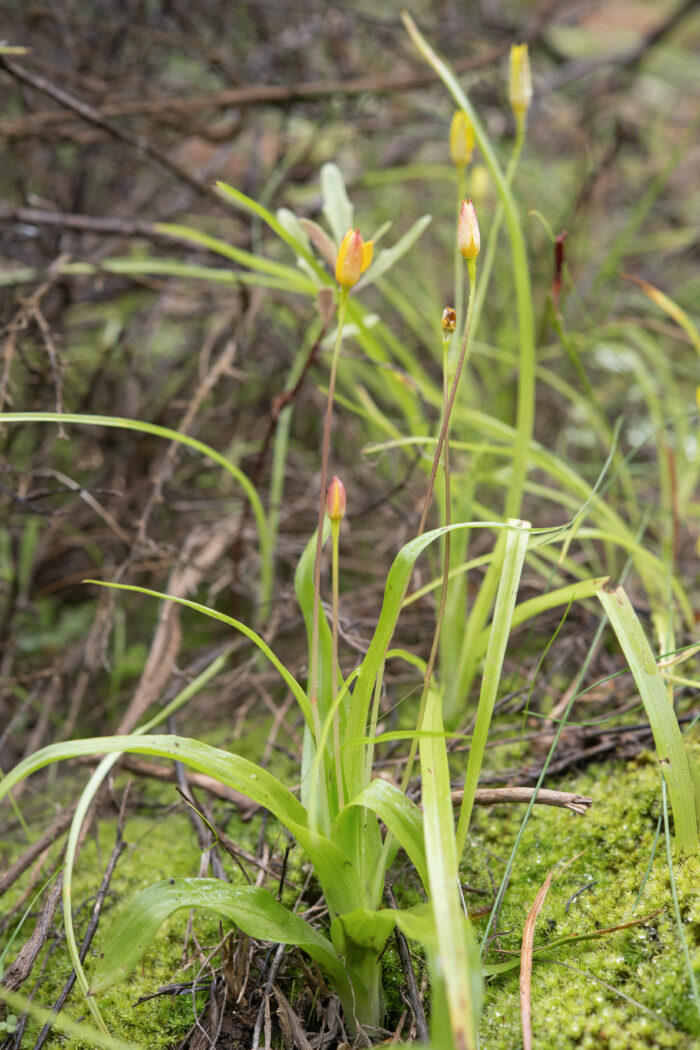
{"points": [[199, 780], [545, 796], [249, 95], [89, 224], [94, 116], [18, 972], [407, 967], [60, 824], [526, 960]]}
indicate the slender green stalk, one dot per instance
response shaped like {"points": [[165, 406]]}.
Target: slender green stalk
{"points": [[325, 455], [525, 413], [491, 248], [466, 345], [459, 262], [335, 666], [521, 273], [442, 441]]}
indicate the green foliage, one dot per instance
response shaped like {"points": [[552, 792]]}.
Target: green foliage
{"points": [[339, 817]]}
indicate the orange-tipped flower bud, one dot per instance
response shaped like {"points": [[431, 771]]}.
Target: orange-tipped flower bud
{"points": [[354, 256], [461, 139], [520, 80], [335, 499], [468, 236]]}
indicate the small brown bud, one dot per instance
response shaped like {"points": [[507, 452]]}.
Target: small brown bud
{"points": [[449, 320]]}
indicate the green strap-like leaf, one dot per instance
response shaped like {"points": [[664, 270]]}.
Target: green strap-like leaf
{"points": [[183, 439], [659, 710], [401, 816], [459, 967], [253, 909], [341, 884]]}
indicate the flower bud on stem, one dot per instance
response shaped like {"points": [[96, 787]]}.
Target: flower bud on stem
{"points": [[335, 509], [325, 453]]}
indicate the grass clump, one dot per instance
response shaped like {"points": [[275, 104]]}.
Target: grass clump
{"points": [[486, 468]]}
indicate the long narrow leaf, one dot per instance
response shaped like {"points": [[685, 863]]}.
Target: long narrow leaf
{"points": [[659, 710], [289, 679], [401, 816], [395, 588], [342, 887], [171, 435], [457, 958], [514, 558]]}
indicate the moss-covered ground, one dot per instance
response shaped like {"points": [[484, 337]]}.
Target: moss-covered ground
{"points": [[625, 990], [621, 991]]}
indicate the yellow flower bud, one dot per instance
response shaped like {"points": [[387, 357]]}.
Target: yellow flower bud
{"points": [[461, 139], [354, 256], [335, 499], [468, 236], [520, 80]]}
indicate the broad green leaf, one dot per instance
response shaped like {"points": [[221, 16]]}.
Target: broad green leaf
{"points": [[304, 588], [659, 711], [341, 884], [336, 204], [401, 816], [418, 924], [362, 930], [387, 257], [252, 908]]}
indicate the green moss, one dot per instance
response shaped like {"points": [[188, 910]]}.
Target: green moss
{"points": [[643, 963], [157, 847]]}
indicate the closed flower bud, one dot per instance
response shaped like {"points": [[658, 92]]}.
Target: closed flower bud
{"points": [[449, 320], [468, 236], [520, 80], [461, 139], [335, 499], [354, 256]]}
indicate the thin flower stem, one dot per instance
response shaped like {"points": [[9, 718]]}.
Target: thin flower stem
{"points": [[444, 440], [492, 246], [458, 302], [325, 455], [335, 667], [451, 401]]}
